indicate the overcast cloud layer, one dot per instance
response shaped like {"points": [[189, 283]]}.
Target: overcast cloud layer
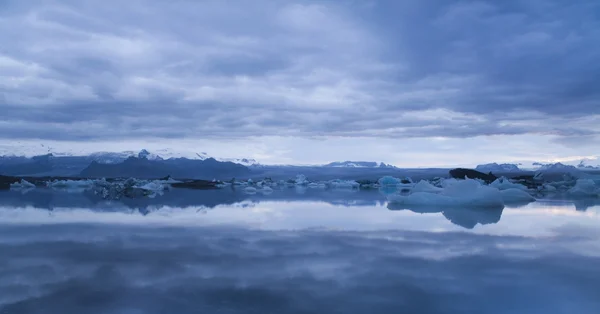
{"points": [[136, 70]]}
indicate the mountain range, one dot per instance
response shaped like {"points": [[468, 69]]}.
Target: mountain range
{"points": [[160, 163]]}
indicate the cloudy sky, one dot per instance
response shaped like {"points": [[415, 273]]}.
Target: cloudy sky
{"points": [[411, 82]]}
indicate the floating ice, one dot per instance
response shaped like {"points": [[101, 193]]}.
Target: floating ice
{"points": [[393, 181], [511, 196], [343, 184], [467, 193], [315, 185], [301, 180], [424, 186], [71, 184], [22, 185], [585, 188], [154, 186], [389, 181], [505, 184]]}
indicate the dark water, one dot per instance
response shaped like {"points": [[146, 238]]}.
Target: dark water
{"points": [[293, 252]]}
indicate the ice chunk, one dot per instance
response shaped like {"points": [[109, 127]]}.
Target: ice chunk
{"points": [[154, 186], [393, 181], [467, 193], [389, 181], [424, 186], [316, 185], [513, 196], [71, 184], [22, 185], [301, 180], [585, 188], [504, 184], [343, 184], [548, 188]]}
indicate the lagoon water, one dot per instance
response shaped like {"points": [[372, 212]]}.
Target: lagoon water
{"points": [[293, 251]]}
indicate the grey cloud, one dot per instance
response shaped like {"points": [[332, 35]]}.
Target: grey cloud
{"points": [[206, 69]]}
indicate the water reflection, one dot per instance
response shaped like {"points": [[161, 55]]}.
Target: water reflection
{"points": [[127, 269], [320, 251], [465, 217], [340, 209]]}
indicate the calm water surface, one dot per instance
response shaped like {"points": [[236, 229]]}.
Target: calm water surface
{"points": [[293, 251]]}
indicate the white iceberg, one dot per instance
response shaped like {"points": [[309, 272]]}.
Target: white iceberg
{"points": [[512, 196], [389, 181], [505, 184], [22, 185], [301, 180], [548, 188], [585, 188], [467, 193], [71, 184], [315, 185], [343, 184], [425, 186], [154, 186]]}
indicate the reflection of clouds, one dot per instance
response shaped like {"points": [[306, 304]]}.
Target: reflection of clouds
{"points": [[110, 269]]}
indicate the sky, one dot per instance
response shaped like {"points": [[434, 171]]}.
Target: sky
{"points": [[412, 83]]}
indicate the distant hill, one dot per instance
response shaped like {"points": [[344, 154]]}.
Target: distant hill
{"points": [[358, 164], [179, 167]]}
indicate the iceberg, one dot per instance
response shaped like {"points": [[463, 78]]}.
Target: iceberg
{"points": [[315, 185], [425, 186], [301, 180], [343, 184], [467, 193], [71, 184], [22, 185], [154, 186], [585, 188], [516, 196], [505, 184], [393, 181]]}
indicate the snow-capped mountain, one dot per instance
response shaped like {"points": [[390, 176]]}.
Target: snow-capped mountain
{"points": [[358, 164], [18, 152], [242, 161], [555, 167], [495, 167]]}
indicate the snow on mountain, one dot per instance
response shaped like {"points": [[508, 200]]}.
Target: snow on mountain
{"points": [[556, 167], [358, 164], [494, 167], [242, 161], [105, 157]]}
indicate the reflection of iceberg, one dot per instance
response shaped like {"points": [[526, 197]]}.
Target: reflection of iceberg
{"points": [[467, 193], [465, 217], [469, 218], [50, 198], [585, 188], [516, 196], [585, 203]]}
